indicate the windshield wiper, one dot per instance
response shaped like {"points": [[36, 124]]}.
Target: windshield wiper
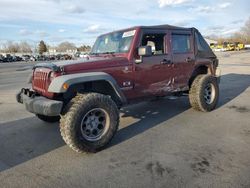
{"points": [[102, 53], [107, 53], [94, 53]]}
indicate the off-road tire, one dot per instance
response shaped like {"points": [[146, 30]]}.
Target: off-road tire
{"points": [[49, 119], [196, 93], [72, 117]]}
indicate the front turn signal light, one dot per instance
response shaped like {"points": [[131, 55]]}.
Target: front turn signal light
{"points": [[65, 86]]}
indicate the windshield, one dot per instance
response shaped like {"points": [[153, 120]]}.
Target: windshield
{"points": [[118, 42]]}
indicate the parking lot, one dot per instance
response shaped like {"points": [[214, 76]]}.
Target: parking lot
{"points": [[161, 143]]}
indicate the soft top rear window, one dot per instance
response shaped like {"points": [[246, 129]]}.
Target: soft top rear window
{"points": [[203, 49], [202, 45]]}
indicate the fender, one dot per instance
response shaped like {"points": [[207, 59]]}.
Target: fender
{"points": [[201, 62], [56, 86]]}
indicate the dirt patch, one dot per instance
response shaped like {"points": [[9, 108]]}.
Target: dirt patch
{"points": [[115, 163], [241, 109], [201, 166], [158, 169], [149, 167], [246, 132]]}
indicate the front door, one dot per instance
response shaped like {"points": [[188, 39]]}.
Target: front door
{"points": [[153, 76]]}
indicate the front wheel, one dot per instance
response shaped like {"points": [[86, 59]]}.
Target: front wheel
{"points": [[90, 122], [204, 93]]}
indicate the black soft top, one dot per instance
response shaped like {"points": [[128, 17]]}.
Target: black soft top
{"points": [[206, 53], [165, 27]]}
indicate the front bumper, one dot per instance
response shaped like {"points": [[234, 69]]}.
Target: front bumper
{"points": [[218, 74], [38, 104]]}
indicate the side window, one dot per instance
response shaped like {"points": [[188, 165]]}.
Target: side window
{"points": [[201, 43], [181, 43], [156, 41]]}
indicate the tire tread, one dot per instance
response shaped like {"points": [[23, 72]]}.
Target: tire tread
{"points": [[73, 111]]}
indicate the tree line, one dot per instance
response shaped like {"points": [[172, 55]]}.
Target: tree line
{"points": [[42, 47], [242, 36], [14, 47]]}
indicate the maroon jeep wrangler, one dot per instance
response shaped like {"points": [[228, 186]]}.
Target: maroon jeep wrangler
{"points": [[124, 67]]}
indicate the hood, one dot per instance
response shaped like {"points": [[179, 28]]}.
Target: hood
{"points": [[79, 65], [72, 62]]}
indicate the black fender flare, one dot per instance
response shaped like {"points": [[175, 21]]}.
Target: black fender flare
{"points": [[56, 86]]}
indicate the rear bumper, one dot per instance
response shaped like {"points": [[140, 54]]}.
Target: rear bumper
{"points": [[39, 104]]}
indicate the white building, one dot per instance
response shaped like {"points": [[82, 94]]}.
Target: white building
{"points": [[54, 51]]}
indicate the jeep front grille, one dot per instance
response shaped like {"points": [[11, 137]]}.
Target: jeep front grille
{"points": [[40, 79]]}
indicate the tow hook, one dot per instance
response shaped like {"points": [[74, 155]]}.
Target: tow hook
{"points": [[28, 92]]}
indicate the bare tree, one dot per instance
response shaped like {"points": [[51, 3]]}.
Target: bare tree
{"points": [[25, 47], [2, 48], [246, 31], [237, 37], [84, 48], [11, 47], [66, 46], [242, 36]]}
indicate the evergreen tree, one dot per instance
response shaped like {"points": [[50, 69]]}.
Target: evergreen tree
{"points": [[42, 47]]}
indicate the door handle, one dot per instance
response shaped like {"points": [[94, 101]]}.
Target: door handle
{"points": [[166, 61], [189, 60]]}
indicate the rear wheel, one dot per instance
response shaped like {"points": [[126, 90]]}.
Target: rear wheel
{"points": [[49, 119], [204, 93], [90, 122]]}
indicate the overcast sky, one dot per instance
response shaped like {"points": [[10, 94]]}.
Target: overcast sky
{"points": [[81, 21]]}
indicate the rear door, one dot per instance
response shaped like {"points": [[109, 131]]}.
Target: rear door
{"points": [[182, 48]]}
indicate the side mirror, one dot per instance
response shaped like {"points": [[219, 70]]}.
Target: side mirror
{"points": [[145, 51]]}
